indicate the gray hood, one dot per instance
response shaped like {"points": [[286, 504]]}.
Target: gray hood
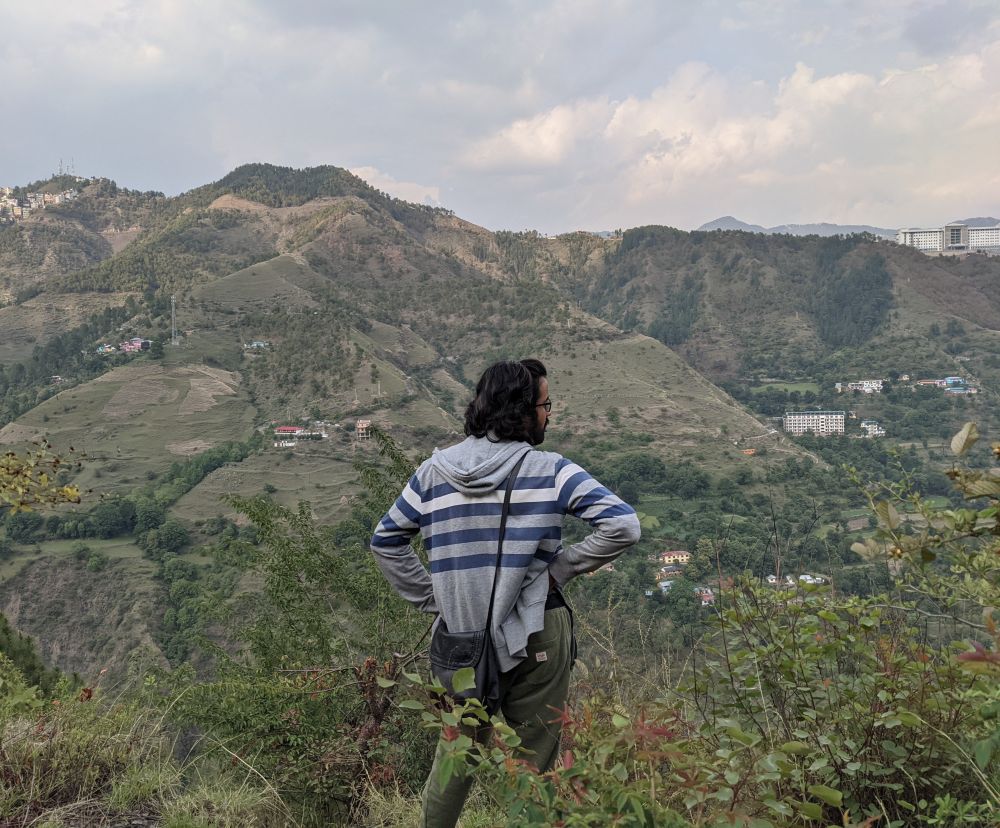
{"points": [[476, 466]]}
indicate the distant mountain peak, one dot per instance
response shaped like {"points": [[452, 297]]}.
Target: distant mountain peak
{"points": [[816, 229]]}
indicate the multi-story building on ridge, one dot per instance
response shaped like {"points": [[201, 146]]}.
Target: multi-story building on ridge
{"points": [[952, 238], [820, 423]]}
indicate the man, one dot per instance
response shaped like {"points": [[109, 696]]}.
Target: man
{"points": [[455, 501]]}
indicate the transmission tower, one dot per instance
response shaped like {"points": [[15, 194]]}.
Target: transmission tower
{"points": [[173, 320]]}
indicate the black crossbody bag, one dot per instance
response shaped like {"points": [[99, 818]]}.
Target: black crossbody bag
{"points": [[453, 651]]}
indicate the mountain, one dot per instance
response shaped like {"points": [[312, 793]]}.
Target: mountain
{"points": [[980, 221], [370, 308], [821, 229], [731, 223]]}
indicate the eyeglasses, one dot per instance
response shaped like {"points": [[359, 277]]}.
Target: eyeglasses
{"points": [[547, 405]]}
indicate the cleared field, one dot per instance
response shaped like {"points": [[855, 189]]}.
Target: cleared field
{"points": [[636, 384], [402, 342], [134, 421], [324, 478], [36, 321], [117, 549], [801, 387], [285, 279]]}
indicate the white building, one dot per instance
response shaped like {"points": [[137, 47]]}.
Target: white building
{"points": [[871, 428], [820, 423], [985, 239], [952, 238], [872, 386]]}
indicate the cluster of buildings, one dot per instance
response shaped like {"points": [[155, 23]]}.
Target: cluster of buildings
{"points": [[868, 386], [131, 346], [820, 423], [954, 238], [286, 436], [788, 580], [825, 423], [14, 209], [955, 386], [671, 567]]}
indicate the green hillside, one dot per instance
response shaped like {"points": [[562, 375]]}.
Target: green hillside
{"points": [[364, 307]]}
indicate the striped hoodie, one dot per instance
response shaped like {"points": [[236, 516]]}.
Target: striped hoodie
{"points": [[455, 499]]}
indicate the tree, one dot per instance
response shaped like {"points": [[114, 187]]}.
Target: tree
{"points": [[29, 480]]}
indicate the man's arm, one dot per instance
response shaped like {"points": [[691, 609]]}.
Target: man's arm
{"points": [[394, 553], [615, 523]]}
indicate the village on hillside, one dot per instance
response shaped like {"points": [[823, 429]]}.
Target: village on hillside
{"points": [[826, 422], [14, 209]]}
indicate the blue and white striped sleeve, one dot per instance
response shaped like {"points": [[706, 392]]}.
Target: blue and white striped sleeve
{"points": [[616, 526], [394, 553]]}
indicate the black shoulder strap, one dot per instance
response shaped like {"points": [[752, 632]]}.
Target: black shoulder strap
{"points": [[503, 530]]}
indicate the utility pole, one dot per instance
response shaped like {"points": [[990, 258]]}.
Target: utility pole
{"points": [[173, 320]]}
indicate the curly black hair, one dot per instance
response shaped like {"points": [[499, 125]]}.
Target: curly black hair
{"points": [[506, 396]]}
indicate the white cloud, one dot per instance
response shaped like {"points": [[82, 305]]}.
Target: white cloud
{"points": [[406, 190], [845, 146]]}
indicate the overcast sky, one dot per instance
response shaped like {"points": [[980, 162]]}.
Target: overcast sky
{"points": [[553, 115]]}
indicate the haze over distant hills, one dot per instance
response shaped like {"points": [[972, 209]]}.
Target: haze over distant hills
{"points": [[826, 228], [818, 229]]}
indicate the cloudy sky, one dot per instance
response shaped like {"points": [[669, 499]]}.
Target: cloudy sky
{"points": [[548, 114]]}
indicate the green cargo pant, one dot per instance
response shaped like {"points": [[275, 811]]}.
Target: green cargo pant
{"points": [[538, 684]]}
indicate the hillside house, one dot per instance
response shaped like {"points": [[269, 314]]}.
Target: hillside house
{"points": [[106, 349], [706, 595], [869, 386], [288, 431], [136, 344], [363, 429], [871, 428], [256, 345], [677, 556], [669, 573], [750, 452]]}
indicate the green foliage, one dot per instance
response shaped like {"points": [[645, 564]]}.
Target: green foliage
{"points": [[676, 320], [849, 304], [301, 696], [951, 562], [24, 668], [84, 760], [30, 480]]}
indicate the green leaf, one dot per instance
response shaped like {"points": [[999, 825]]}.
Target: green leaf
{"points": [[965, 439], [810, 810], [411, 704], [384, 682], [907, 718], [795, 747], [619, 721], [465, 679], [829, 795], [983, 752]]}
